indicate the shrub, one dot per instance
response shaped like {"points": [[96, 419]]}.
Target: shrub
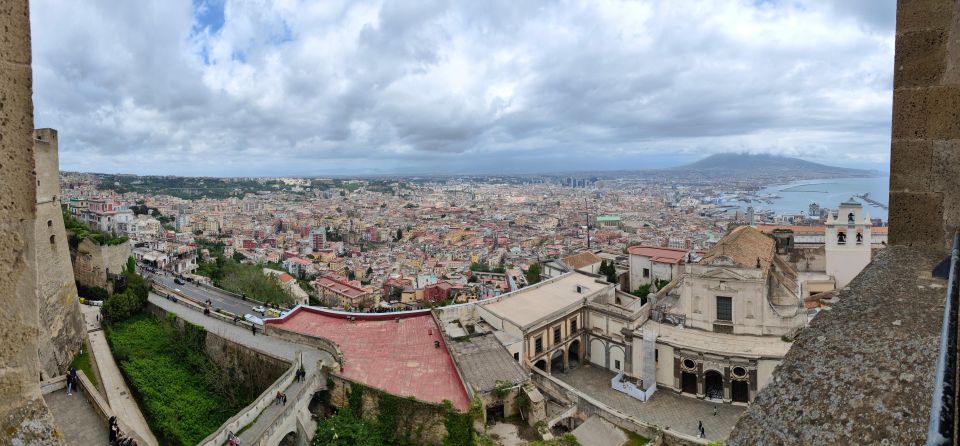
{"points": [[182, 392]]}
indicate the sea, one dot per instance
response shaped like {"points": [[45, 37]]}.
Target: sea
{"points": [[796, 197]]}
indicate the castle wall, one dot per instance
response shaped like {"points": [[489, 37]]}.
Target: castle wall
{"points": [[924, 161], [92, 262], [61, 325], [24, 417]]}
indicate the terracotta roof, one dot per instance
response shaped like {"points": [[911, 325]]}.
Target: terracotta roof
{"points": [[659, 254], [744, 245], [581, 259]]}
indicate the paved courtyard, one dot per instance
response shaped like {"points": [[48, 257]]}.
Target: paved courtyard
{"points": [[666, 409]]}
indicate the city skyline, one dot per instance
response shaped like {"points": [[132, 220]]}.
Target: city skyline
{"points": [[225, 89]]}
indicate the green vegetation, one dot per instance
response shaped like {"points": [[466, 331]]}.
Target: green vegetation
{"points": [[131, 300], [392, 424], [485, 268], [644, 290], [82, 362], [78, 231], [182, 392], [92, 293], [240, 278], [635, 439], [533, 274], [608, 269], [564, 440]]}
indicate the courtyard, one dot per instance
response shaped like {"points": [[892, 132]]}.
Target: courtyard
{"points": [[665, 408]]}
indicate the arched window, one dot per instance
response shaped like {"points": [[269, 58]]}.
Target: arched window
{"points": [[49, 223], [53, 239]]}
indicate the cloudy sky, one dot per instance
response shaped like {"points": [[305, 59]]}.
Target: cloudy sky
{"points": [[288, 87]]}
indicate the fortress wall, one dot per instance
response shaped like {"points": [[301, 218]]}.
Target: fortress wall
{"points": [[92, 262], [24, 417], [925, 146], [61, 325]]}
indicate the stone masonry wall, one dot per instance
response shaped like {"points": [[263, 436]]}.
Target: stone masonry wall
{"points": [[925, 149], [423, 422], [61, 325], [249, 369], [24, 418], [92, 262]]}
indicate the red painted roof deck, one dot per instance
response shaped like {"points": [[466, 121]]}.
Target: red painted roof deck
{"points": [[378, 351]]}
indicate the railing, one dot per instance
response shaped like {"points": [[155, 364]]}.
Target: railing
{"points": [[250, 413], [941, 429]]}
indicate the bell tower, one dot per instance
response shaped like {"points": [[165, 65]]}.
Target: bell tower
{"points": [[847, 242]]}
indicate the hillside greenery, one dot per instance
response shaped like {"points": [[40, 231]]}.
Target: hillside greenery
{"points": [[241, 278], [128, 301], [181, 391]]}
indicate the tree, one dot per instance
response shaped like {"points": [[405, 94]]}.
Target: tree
{"points": [[131, 267], [608, 269], [533, 274]]}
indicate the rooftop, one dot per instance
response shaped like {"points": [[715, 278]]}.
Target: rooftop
{"points": [[398, 357], [581, 259], [484, 361], [745, 246], [659, 254], [531, 304]]}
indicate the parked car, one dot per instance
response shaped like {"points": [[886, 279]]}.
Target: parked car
{"points": [[259, 309]]}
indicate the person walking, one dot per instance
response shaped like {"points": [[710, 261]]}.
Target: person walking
{"points": [[71, 380], [703, 434], [253, 328], [699, 429]]}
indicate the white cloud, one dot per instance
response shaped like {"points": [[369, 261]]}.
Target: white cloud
{"points": [[292, 87]]}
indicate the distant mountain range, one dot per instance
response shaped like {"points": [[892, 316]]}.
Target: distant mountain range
{"points": [[768, 165]]}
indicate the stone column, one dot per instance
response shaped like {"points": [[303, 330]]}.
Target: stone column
{"points": [[676, 372], [701, 391], [726, 384]]}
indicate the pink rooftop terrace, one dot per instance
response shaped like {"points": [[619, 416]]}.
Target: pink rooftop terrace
{"points": [[398, 357]]}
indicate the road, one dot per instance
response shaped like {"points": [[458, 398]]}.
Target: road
{"points": [[219, 300]]}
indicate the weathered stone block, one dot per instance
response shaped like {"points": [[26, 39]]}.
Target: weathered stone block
{"points": [[943, 112], [16, 130], [909, 113], [14, 31], [920, 58], [946, 175], [923, 14], [910, 164], [916, 218]]}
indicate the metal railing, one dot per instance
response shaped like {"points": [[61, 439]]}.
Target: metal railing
{"points": [[941, 429]]}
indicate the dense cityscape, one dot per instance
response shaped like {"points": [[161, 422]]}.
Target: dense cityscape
{"points": [[421, 224]]}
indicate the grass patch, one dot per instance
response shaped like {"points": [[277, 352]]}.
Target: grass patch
{"points": [[82, 362], [184, 395], [635, 439]]}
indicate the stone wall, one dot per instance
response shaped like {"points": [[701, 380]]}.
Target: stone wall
{"points": [[92, 262], [61, 328], [422, 421], [246, 368], [24, 417], [925, 149]]}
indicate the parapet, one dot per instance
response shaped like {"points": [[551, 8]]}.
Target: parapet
{"points": [[863, 371]]}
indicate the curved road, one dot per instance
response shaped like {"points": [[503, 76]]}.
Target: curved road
{"points": [[198, 293]]}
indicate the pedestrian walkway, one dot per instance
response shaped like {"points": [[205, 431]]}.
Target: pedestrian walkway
{"points": [[262, 343], [117, 393], [76, 418]]}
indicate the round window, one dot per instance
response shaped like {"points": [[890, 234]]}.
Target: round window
{"points": [[689, 364], [739, 372]]}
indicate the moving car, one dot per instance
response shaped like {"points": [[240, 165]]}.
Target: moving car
{"points": [[259, 309], [178, 281]]}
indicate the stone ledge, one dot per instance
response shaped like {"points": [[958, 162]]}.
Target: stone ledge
{"points": [[862, 372]]}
